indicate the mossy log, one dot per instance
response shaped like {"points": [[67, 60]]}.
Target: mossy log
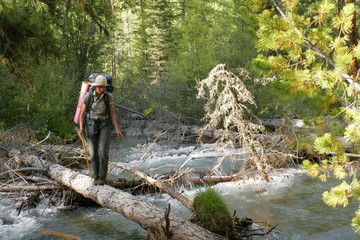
{"points": [[148, 216]]}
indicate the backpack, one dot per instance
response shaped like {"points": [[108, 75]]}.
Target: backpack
{"points": [[109, 89]]}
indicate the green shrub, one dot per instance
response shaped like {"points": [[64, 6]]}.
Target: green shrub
{"points": [[211, 212]]}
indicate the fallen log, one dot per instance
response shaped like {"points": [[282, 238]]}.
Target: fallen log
{"points": [[28, 188], [278, 122], [149, 217], [208, 180], [138, 128]]}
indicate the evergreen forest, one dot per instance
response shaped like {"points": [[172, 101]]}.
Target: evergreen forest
{"points": [[300, 58], [156, 52]]}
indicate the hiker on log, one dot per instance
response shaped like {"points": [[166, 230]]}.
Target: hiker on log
{"points": [[97, 112], [160, 223]]}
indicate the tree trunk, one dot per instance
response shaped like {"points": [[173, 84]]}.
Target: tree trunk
{"points": [[148, 216], [353, 44], [182, 11]]}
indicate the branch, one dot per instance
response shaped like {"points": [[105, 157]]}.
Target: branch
{"points": [[20, 125], [261, 234], [349, 106], [166, 229], [173, 193], [308, 44], [347, 154], [7, 151], [49, 134], [274, 145], [126, 108]]}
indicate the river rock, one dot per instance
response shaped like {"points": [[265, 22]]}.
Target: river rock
{"points": [[6, 220]]}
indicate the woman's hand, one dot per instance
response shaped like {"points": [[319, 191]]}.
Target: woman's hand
{"points": [[81, 134], [119, 134]]}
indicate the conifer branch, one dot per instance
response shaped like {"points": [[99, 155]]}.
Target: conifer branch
{"points": [[322, 55]]}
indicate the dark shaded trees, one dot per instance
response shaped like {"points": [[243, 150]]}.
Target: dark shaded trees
{"points": [[47, 47], [155, 50]]}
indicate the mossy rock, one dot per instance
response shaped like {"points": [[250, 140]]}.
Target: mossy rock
{"points": [[211, 212]]}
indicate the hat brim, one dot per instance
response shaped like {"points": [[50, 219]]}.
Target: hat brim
{"points": [[99, 85]]}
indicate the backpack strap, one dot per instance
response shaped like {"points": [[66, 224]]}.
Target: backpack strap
{"points": [[91, 101], [107, 104]]}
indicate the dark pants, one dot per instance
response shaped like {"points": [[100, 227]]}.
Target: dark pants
{"points": [[98, 135]]}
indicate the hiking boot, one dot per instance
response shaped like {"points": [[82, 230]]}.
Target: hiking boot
{"points": [[101, 182], [96, 182]]}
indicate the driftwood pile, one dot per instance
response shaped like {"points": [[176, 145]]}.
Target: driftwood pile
{"points": [[161, 224], [33, 171], [31, 175], [35, 177]]}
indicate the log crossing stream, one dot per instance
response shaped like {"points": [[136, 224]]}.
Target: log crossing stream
{"points": [[291, 200]]}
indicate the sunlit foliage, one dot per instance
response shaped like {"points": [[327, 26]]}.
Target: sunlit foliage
{"points": [[306, 44]]}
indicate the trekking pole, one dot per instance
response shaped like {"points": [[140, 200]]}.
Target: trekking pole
{"points": [[87, 160]]}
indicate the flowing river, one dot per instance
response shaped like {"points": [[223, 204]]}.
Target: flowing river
{"points": [[291, 200]]}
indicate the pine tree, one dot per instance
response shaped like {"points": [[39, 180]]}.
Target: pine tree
{"points": [[307, 45], [29, 31], [48, 48], [194, 59]]}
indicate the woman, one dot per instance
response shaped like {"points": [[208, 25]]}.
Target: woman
{"points": [[97, 125]]}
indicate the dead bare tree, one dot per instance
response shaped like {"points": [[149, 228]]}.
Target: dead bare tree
{"points": [[225, 108]]}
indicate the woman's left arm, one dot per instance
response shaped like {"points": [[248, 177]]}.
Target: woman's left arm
{"points": [[114, 120]]}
